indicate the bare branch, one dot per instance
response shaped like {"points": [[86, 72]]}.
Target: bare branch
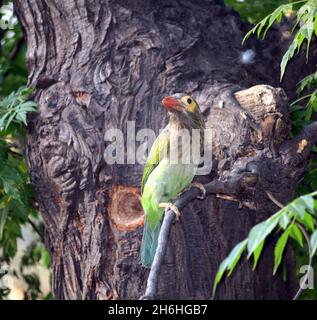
{"points": [[298, 149], [213, 187]]}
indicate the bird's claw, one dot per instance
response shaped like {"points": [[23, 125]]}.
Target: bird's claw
{"points": [[170, 206], [201, 188]]}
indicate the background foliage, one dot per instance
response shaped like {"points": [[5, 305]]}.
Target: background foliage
{"points": [[18, 211], [295, 221], [254, 10]]}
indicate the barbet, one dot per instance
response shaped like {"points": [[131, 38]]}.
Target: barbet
{"points": [[167, 171]]}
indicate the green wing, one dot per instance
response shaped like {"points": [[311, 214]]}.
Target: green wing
{"points": [[158, 151]]}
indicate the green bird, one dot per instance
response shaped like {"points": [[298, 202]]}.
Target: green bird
{"points": [[166, 174]]}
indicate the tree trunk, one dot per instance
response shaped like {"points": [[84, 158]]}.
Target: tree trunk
{"points": [[96, 65]]}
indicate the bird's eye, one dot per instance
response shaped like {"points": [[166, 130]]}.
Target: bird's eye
{"points": [[189, 101]]}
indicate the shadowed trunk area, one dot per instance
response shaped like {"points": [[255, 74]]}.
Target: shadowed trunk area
{"points": [[95, 65]]}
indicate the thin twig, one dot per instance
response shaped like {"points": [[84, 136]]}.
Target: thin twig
{"points": [[15, 154], [306, 236], [36, 229], [213, 187], [274, 200]]}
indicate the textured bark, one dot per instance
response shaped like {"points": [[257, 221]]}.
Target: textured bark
{"points": [[97, 64]]}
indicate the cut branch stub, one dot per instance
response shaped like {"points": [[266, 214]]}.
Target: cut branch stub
{"points": [[270, 110], [265, 159], [125, 210]]}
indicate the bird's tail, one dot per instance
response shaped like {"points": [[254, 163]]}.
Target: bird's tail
{"points": [[149, 244]]}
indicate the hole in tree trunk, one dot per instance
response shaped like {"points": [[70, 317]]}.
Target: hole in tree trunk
{"points": [[125, 209]]}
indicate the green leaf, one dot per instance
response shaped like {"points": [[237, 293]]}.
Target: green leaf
{"points": [[219, 275], [49, 296], [235, 255], [275, 16], [21, 117], [9, 120], [28, 106], [3, 120], [260, 231], [261, 25], [3, 218], [229, 263], [19, 210], [249, 34], [307, 82], [13, 109], [313, 243], [288, 56], [299, 207], [12, 189], [284, 220], [311, 106], [10, 172], [279, 249], [256, 254], [308, 221], [296, 234], [309, 29], [309, 202], [46, 258]]}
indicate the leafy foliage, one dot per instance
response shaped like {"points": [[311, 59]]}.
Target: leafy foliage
{"points": [[15, 189], [298, 218], [254, 10], [13, 73], [300, 212], [35, 254], [17, 205], [302, 114], [16, 196], [13, 109], [305, 19]]}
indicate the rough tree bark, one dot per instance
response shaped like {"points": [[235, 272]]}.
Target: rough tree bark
{"points": [[97, 64]]}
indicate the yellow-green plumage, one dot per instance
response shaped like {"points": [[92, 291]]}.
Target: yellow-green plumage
{"points": [[164, 179]]}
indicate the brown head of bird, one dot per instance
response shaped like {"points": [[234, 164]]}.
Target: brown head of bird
{"points": [[184, 112]]}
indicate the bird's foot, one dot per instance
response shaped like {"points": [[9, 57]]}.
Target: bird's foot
{"points": [[170, 206], [201, 188]]}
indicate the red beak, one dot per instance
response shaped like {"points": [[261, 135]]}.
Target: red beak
{"points": [[171, 103]]}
